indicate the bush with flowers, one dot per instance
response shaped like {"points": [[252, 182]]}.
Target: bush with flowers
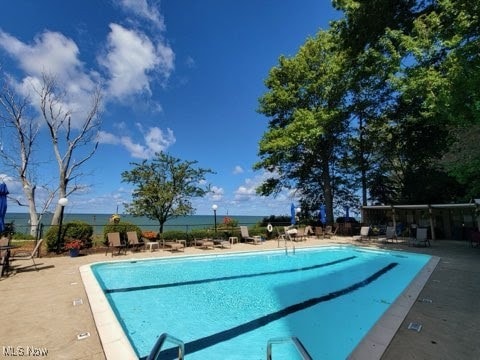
{"points": [[150, 235], [229, 222], [73, 245]]}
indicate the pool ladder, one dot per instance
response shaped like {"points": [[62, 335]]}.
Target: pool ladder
{"points": [[155, 353], [282, 340], [286, 238]]}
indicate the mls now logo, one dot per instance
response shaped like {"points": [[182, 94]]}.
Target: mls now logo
{"points": [[24, 351]]}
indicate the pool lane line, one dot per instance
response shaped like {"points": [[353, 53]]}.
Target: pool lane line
{"points": [[224, 278], [211, 340]]}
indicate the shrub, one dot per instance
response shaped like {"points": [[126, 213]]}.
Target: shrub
{"points": [[73, 230], [174, 235], [20, 236]]}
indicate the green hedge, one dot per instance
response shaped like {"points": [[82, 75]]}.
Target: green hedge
{"points": [[76, 229]]}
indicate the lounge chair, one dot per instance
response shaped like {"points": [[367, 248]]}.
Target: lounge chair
{"points": [[132, 239], [300, 235], [4, 258], [176, 245], [25, 255], [222, 243], [247, 238], [4, 254], [203, 243], [309, 231], [391, 234], [420, 239], [114, 242], [330, 232], [364, 234], [319, 232]]}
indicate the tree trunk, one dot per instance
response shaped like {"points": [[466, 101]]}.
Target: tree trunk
{"points": [[328, 192]]}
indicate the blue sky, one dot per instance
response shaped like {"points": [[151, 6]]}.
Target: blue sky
{"points": [[182, 76]]}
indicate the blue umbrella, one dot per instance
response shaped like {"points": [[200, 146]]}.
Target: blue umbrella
{"points": [[323, 214], [347, 212], [292, 214], [3, 205]]}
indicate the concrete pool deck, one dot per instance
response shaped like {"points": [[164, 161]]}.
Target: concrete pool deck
{"points": [[38, 311]]}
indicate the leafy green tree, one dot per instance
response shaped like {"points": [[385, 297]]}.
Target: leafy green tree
{"points": [[164, 187], [305, 104], [434, 82]]}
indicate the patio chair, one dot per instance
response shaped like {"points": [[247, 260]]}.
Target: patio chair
{"points": [[300, 235], [420, 239], [4, 258], [25, 255], [176, 245], [222, 243], [114, 242], [330, 232], [203, 243], [4, 241], [364, 234], [319, 232], [247, 238], [391, 234], [309, 231], [132, 239]]}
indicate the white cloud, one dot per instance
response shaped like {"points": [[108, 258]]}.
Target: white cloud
{"points": [[217, 193], [142, 9], [238, 170], [155, 140], [50, 52], [131, 59], [53, 54]]}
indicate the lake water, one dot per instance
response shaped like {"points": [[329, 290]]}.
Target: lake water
{"points": [[184, 223]]}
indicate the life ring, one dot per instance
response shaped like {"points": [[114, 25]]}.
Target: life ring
{"points": [[269, 227]]}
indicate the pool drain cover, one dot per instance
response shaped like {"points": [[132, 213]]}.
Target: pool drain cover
{"points": [[83, 335], [425, 300], [77, 302], [415, 326]]}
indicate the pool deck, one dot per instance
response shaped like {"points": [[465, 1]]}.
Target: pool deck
{"points": [[38, 311]]}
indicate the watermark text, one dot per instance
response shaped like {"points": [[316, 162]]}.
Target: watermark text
{"points": [[24, 351]]}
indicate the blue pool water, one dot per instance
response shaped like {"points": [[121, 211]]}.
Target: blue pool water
{"points": [[228, 306]]}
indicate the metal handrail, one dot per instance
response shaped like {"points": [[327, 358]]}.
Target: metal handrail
{"points": [[157, 348], [296, 341]]}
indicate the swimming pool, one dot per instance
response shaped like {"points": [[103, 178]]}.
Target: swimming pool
{"points": [[229, 306]]}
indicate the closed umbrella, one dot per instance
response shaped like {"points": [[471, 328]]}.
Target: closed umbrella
{"points": [[322, 214], [292, 214], [347, 213], [3, 205]]}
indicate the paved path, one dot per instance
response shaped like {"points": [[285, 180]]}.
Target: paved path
{"points": [[37, 311]]}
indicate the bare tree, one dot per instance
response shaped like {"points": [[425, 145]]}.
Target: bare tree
{"points": [[17, 153], [68, 134]]}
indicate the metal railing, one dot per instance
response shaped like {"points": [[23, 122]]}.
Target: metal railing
{"points": [[282, 340], [157, 348]]}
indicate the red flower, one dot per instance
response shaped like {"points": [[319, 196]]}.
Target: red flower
{"points": [[74, 244]]}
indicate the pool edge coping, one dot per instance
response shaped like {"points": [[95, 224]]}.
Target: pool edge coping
{"points": [[375, 342], [116, 344], [113, 339]]}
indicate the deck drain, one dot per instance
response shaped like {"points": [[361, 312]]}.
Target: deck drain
{"points": [[426, 301], [77, 302], [415, 326], [83, 335]]}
